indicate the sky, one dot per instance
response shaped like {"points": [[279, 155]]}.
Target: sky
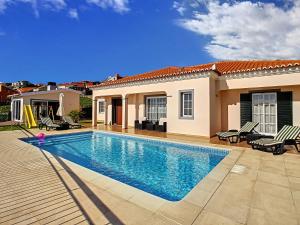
{"points": [[73, 40]]}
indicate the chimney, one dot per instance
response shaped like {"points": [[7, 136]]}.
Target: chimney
{"points": [[51, 86]]}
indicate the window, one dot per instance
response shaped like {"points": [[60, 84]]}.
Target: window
{"points": [[186, 104], [156, 108], [101, 107], [264, 111]]}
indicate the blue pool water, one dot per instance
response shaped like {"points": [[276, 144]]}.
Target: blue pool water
{"points": [[165, 169]]}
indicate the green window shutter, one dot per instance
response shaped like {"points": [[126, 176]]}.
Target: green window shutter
{"points": [[284, 109], [246, 108]]}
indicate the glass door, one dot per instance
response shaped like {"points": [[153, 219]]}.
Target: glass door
{"points": [[156, 108], [264, 111]]}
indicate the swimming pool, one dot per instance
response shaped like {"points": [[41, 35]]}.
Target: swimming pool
{"points": [[165, 169]]}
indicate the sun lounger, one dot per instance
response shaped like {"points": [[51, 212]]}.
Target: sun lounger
{"points": [[72, 124], [234, 136], [287, 133], [48, 123]]}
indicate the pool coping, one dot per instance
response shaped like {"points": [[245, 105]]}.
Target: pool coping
{"points": [[197, 198]]}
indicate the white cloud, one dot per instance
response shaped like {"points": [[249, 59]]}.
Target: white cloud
{"points": [[119, 6], [37, 5], [179, 7], [73, 13], [248, 30]]}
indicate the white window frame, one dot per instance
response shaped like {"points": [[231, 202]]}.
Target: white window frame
{"points": [[147, 107], [13, 116], [102, 102], [182, 105], [263, 112]]}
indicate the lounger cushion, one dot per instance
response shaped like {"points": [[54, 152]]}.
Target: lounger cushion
{"points": [[288, 133], [265, 142], [162, 121], [227, 134], [247, 128]]}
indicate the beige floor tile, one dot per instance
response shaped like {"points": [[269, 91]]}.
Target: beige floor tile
{"points": [[294, 183], [293, 172], [273, 204], [219, 173], [273, 190], [198, 197], [130, 213], [293, 165], [272, 178], [209, 184], [122, 190], [160, 220], [276, 167], [182, 212], [147, 201], [261, 217], [229, 161], [232, 202], [296, 194], [104, 182], [209, 218], [249, 162], [241, 181]]}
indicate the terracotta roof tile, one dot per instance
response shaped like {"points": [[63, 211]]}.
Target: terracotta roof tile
{"points": [[26, 89], [222, 68]]}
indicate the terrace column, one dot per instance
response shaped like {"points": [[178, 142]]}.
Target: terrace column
{"points": [[94, 113], [124, 112]]}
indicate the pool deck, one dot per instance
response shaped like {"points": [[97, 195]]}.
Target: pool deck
{"points": [[247, 187]]}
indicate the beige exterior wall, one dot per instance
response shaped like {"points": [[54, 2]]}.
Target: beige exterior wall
{"points": [[135, 95], [216, 100], [230, 105], [71, 99]]}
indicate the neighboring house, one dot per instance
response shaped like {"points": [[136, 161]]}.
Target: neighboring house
{"points": [[114, 77], [44, 103], [5, 92], [25, 89], [22, 83], [204, 99], [83, 86]]}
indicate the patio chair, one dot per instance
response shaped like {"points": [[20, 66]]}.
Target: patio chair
{"points": [[141, 123], [234, 136], [150, 125], [287, 133], [161, 125], [48, 123], [70, 121]]}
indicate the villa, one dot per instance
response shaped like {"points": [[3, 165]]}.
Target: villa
{"points": [[204, 99], [109, 175]]}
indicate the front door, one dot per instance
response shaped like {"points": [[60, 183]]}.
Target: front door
{"points": [[117, 111]]}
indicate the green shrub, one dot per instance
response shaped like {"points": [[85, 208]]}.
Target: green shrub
{"points": [[75, 115], [5, 109], [86, 102]]}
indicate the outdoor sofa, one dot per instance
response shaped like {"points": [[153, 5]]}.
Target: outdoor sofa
{"points": [[161, 125], [141, 123]]}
